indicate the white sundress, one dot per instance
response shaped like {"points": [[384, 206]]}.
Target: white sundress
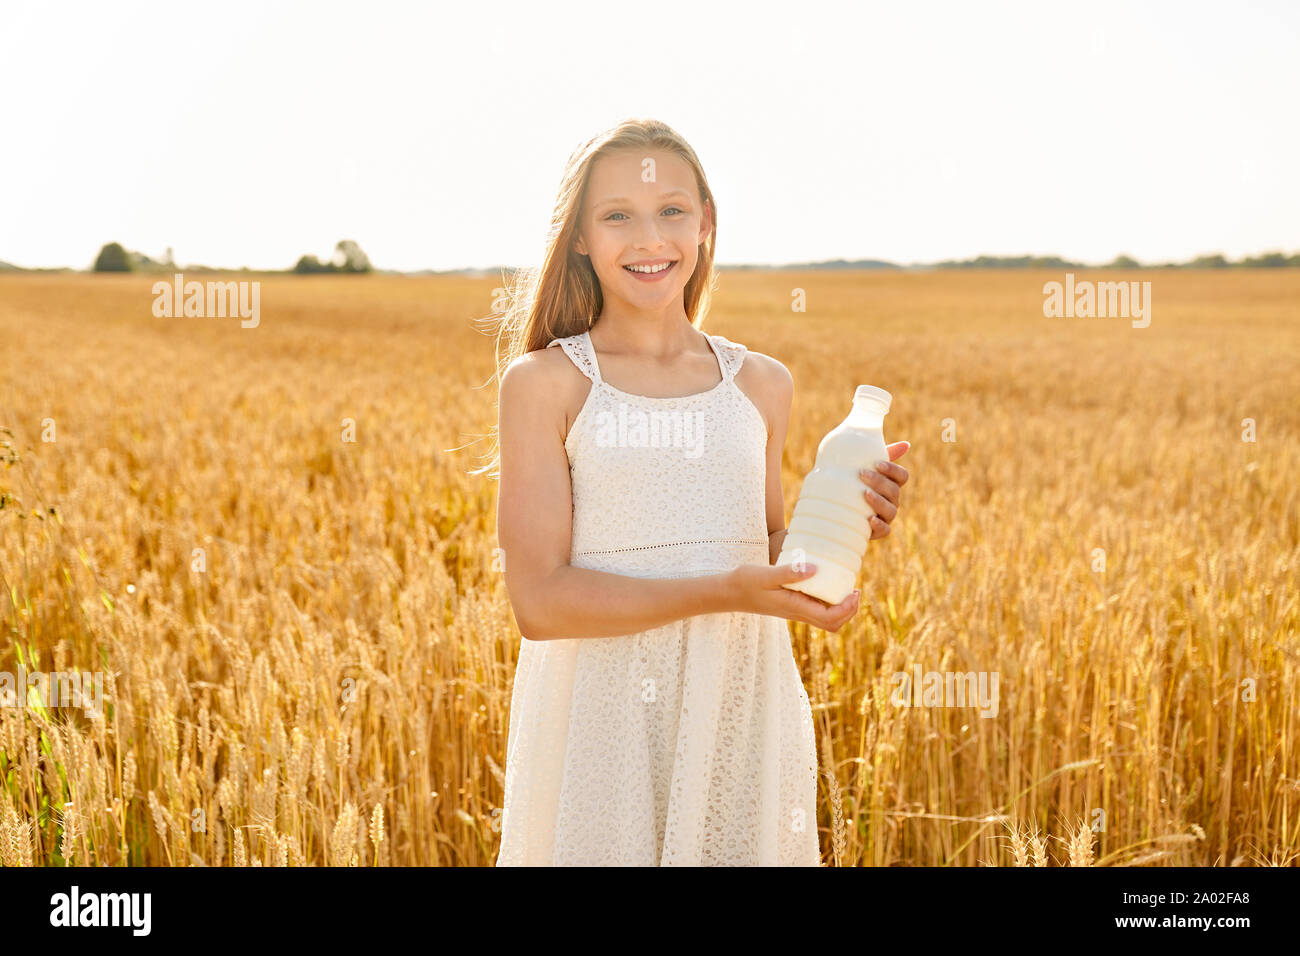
{"points": [[690, 744]]}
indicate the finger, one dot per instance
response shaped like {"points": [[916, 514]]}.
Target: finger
{"points": [[883, 486], [898, 449], [837, 621], [893, 471], [836, 614], [880, 504], [848, 615], [850, 601], [852, 604], [797, 606], [879, 528]]}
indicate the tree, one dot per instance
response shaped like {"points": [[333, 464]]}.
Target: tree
{"points": [[350, 258], [310, 265], [113, 258], [1123, 261]]}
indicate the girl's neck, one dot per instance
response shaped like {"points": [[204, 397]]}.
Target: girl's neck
{"points": [[659, 336]]}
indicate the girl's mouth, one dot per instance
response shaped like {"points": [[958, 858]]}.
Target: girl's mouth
{"points": [[657, 273]]}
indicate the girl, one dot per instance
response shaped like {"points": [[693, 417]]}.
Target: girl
{"points": [[658, 717]]}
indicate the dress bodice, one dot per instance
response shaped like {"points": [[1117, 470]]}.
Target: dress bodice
{"points": [[667, 487]]}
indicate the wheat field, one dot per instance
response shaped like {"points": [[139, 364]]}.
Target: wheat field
{"points": [[307, 650]]}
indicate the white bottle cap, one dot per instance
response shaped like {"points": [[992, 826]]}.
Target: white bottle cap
{"points": [[875, 394]]}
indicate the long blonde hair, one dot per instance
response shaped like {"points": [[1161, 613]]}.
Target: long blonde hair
{"points": [[562, 297]]}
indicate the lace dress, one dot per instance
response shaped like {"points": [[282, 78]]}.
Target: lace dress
{"points": [[688, 744]]}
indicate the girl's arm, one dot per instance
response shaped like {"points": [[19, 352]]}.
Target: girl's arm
{"points": [[535, 524], [551, 599], [775, 394]]}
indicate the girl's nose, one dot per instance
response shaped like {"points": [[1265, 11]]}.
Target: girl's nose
{"points": [[649, 236]]}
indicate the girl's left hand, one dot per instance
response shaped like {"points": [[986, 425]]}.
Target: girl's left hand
{"points": [[884, 488]]}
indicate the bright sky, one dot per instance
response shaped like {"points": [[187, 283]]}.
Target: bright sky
{"points": [[249, 133]]}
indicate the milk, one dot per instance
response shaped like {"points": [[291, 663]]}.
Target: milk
{"points": [[831, 526]]}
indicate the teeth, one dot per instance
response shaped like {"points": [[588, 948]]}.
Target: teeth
{"points": [[649, 270]]}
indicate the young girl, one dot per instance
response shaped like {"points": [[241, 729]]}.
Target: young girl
{"points": [[658, 717]]}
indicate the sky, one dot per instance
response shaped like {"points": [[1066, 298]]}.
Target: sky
{"points": [[249, 133]]}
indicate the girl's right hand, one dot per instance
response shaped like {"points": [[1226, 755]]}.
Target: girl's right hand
{"points": [[757, 589]]}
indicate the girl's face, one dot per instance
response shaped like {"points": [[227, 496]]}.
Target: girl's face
{"points": [[644, 211]]}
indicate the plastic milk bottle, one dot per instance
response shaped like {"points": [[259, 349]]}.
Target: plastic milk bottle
{"points": [[831, 522]]}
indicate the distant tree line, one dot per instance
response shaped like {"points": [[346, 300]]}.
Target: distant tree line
{"points": [[1269, 260], [1009, 262], [113, 257], [348, 257]]}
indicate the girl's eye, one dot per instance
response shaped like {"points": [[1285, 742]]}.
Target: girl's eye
{"points": [[679, 210]]}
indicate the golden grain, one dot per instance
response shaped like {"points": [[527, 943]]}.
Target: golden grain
{"points": [[317, 625]]}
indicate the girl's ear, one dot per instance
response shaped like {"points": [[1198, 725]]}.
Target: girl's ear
{"points": [[579, 246], [706, 222]]}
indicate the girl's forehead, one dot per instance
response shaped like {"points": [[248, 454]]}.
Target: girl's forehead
{"points": [[621, 164]]}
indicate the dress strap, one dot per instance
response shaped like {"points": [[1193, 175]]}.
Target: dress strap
{"points": [[731, 355], [581, 352]]}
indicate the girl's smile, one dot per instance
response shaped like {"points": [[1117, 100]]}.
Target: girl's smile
{"points": [[655, 270]]}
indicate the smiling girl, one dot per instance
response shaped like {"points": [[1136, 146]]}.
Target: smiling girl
{"points": [[658, 716]]}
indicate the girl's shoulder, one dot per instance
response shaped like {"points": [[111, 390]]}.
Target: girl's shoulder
{"points": [[579, 351], [766, 382], [542, 370], [762, 368]]}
